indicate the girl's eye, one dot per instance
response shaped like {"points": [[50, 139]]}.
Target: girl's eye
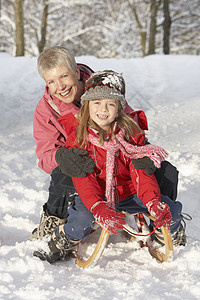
{"points": [[112, 104], [64, 76], [50, 82]]}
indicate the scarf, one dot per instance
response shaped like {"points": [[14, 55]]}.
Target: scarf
{"points": [[113, 146]]}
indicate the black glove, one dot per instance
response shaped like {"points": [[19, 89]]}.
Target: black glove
{"points": [[144, 163], [74, 162]]}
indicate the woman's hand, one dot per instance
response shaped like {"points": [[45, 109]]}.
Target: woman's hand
{"points": [[74, 162], [144, 163]]}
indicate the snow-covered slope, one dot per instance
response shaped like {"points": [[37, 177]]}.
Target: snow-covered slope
{"points": [[167, 88]]}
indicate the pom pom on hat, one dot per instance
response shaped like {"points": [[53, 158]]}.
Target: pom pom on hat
{"points": [[105, 85]]}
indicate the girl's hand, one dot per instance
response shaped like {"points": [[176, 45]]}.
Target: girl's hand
{"points": [[108, 218], [161, 212]]}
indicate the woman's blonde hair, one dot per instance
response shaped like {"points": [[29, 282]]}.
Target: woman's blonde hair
{"points": [[124, 122], [55, 57]]}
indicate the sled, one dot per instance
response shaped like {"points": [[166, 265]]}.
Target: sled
{"points": [[165, 256]]}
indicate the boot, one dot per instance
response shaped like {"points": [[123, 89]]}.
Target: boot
{"points": [[47, 225], [60, 248], [178, 237]]}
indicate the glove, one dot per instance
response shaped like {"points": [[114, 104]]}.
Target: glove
{"points": [[74, 162], [144, 163], [161, 212], [108, 218]]}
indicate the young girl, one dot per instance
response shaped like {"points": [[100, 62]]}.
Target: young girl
{"points": [[112, 139]]}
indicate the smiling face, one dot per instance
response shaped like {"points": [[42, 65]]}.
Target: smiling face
{"points": [[103, 112], [63, 83]]}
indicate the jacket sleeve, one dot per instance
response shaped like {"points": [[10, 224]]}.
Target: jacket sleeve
{"points": [[88, 189], [49, 135], [146, 185]]}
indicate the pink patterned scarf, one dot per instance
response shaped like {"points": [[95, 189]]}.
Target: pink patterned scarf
{"points": [[155, 153]]}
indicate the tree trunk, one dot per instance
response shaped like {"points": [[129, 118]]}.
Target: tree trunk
{"points": [[153, 23], [143, 37], [19, 28], [42, 42], [142, 31], [166, 27]]}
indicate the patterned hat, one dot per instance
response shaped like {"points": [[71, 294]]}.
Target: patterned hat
{"points": [[105, 85]]}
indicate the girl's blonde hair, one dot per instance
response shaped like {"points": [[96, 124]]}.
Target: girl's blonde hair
{"points": [[124, 122], [55, 57]]}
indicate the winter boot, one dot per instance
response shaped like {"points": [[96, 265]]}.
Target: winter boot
{"points": [[60, 248], [178, 237], [47, 225]]}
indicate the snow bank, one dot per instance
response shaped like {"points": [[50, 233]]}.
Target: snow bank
{"points": [[167, 88]]}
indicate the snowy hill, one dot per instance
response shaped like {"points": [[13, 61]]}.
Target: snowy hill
{"points": [[167, 88]]}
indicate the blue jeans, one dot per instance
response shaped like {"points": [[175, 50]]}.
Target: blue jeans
{"points": [[80, 220]]}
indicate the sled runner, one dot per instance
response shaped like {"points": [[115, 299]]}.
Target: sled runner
{"points": [[142, 227]]}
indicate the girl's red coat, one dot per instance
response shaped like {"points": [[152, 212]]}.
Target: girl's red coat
{"points": [[127, 180]]}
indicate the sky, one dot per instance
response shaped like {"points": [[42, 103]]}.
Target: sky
{"points": [[167, 88]]}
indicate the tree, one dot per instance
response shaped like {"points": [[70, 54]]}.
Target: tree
{"points": [[153, 25], [41, 43], [142, 28], [166, 27], [19, 27]]}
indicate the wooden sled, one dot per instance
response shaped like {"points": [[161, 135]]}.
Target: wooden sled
{"points": [[155, 252], [169, 251]]}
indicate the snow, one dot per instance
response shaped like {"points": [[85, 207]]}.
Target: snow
{"points": [[167, 88]]}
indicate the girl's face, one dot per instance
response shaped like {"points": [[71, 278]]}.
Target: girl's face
{"points": [[103, 112], [63, 83]]}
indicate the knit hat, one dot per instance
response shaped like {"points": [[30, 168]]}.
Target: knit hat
{"points": [[105, 85]]}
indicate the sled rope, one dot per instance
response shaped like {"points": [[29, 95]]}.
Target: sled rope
{"points": [[137, 234]]}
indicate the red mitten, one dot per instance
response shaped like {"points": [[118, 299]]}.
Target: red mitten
{"points": [[161, 212], [108, 218]]}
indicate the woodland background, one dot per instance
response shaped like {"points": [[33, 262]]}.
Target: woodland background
{"points": [[101, 28]]}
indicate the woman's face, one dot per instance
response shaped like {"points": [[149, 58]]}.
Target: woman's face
{"points": [[103, 112], [63, 83]]}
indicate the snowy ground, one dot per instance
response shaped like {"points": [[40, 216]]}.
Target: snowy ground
{"points": [[167, 88]]}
